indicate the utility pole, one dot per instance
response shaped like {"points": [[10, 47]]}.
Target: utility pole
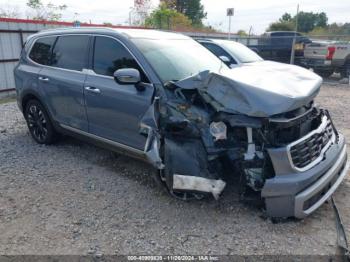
{"points": [[130, 14], [250, 32], [292, 54], [229, 27]]}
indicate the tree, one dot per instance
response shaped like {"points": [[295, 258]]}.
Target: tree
{"points": [[166, 18], [171, 4], [9, 12], [286, 18], [193, 9], [307, 21], [49, 12], [321, 20], [281, 26], [333, 30], [242, 33]]}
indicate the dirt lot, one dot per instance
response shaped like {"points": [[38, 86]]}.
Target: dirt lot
{"points": [[74, 198]]}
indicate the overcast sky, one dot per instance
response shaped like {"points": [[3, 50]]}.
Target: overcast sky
{"points": [[256, 13]]}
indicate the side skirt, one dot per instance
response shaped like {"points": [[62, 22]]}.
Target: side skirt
{"points": [[103, 142]]}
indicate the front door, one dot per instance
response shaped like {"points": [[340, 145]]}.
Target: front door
{"points": [[114, 111]]}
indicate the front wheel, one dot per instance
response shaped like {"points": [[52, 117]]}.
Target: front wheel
{"points": [[39, 123]]}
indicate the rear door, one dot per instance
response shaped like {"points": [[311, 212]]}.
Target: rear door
{"points": [[26, 74], [63, 80], [114, 111]]}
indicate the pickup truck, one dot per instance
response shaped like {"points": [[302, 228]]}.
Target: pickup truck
{"points": [[327, 57], [277, 46]]}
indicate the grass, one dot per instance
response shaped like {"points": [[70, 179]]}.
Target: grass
{"points": [[6, 100]]}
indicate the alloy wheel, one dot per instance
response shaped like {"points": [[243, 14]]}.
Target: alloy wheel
{"points": [[37, 123]]}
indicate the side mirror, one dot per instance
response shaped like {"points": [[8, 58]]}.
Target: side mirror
{"points": [[127, 76], [225, 59]]}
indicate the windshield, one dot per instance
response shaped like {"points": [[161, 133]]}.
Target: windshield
{"points": [[176, 59], [241, 52]]}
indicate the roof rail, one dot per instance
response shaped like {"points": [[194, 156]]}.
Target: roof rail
{"points": [[77, 28]]}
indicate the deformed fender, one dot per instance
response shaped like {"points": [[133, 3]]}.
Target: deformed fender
{"points": [[152, 152], [149, 127], [186, 168]]}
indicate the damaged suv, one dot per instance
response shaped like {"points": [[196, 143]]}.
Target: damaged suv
{"points": [[165, 98]]}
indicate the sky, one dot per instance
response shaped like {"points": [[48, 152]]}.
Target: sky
{"points": [[257, 14]]}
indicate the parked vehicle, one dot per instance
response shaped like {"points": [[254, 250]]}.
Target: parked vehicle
{"points": [[277, 46], [165, 98], [230, 52], [327, 57]]}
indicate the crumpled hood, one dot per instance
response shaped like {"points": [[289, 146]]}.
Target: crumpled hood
{"points": [[260, 89]]}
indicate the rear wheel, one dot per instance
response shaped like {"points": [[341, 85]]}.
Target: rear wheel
{"points": [[39, 123]]}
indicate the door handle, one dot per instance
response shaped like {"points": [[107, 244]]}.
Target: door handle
{"points": [[93, 89], [44, 79]]}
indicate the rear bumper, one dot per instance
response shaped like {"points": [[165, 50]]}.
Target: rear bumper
{"points": [[318, 64], [293, 193]]}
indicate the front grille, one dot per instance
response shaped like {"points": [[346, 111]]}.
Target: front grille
{"points": [[309, 149]]}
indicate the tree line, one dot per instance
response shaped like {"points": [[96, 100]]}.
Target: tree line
{"points": [[309, 23], [37, 11], [189, 15]]}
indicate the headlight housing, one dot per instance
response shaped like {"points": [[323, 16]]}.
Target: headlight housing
{"points": [[218, 130]]}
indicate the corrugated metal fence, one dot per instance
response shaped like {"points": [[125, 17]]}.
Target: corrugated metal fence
{"points": [[13, 33]]}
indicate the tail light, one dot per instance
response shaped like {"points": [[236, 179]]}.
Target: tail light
{"points": [[330, 53]]}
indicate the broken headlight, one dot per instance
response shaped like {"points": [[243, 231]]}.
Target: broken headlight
{"points": [[218, 130]]}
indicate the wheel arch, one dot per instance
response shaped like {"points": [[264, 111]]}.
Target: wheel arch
{"points": [[27, 97], [347, 59], [30, 95]]}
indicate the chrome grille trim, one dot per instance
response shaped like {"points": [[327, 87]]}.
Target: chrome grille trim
{"points": [[322, 127]]}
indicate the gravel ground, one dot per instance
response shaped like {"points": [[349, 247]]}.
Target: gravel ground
{"points": [[74, 198]]}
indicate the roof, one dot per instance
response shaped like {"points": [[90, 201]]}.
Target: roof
{"points": [[219, 41], [129, 33]]}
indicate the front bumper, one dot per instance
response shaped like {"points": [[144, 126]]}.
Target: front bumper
{"points": [[293, 193]]}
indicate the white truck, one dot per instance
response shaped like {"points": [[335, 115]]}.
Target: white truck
{"points": [[327, 57]]}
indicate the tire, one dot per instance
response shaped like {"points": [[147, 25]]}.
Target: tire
{"points": [[39, 123], [324, 73], [345, 71]]}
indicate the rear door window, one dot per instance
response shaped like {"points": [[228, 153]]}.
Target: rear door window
{"points": [[70, 52], [41, 50], [110, 55]]}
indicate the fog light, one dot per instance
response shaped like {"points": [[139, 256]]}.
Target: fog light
{"points": [[218, 130]]}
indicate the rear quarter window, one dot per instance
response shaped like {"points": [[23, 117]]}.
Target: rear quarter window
{"points": [[41, 50]]}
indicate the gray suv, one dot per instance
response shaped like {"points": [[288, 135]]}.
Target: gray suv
{"points": [[164, 98]]}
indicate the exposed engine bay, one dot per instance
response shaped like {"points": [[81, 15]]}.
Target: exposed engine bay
{"points": [[202, 141]]}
